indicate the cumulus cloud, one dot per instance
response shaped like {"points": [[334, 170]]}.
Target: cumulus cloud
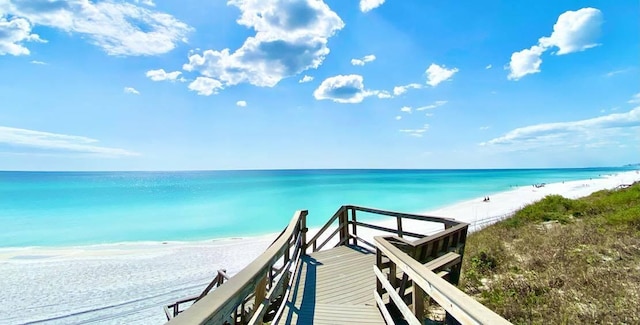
{"points": [[131, 90], [119, 28], [399, 90], [205, 86], [57, 142], [343, 89], [406, 109], [582, 132], [525, 62], [415, 132], [13, 33], [435, 104], [364, 60], [574, 31], [437, 74], [368, 5], [306, 79], [161, 75], [241, 103], [291, 37]]}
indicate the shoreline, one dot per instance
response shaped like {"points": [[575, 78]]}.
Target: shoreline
{"points": [[130, 282], [474, 211]]}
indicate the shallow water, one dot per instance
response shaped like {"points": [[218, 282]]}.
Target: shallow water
{"points": [[81, 208]]}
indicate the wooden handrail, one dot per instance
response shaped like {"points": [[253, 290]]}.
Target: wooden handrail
{"points": [[447, 221], [219, 306], [462, 307]]}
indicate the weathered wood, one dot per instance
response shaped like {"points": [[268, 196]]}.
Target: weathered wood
{"points": [[445, 221], [464, 308], [399, 224], [397, 300], [325, 227], [216, 307], [383, 309], [389, 230], [354, 228]]}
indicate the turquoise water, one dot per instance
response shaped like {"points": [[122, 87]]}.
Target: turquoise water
{"points": [[79, 208]]}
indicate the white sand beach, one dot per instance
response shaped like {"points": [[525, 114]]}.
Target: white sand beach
{"points": [[129, 283]]}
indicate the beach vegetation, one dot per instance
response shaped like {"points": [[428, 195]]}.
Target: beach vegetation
{"points": [[561, 261]]}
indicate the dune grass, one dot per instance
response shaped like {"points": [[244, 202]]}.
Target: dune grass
{"points": [[561, 261]]}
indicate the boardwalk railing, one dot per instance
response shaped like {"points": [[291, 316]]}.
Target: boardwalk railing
{"points": [[174, 309], [348, 223], [427, 279], [410, 267], [250, 295]]}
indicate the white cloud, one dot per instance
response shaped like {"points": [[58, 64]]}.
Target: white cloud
{"points": [[582, 132], [343, 89], [488, 67], [205, 86], [364, 60], [483, 128], [415, 132], [38, 62], [525, 62], [399, 90], [306, 79], [635, 99], [368, 5], [398, 117], [406, 109], [615, 72], [437, 74], [382, 94], [574, 31], [57, 142], [291, 37], [435, 104], [241, 103], [131, 90], [14, 32], [119, 28], [160, 75], [149, 3]]}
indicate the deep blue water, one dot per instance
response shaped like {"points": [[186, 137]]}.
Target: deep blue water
{"points": [[78, 208]]}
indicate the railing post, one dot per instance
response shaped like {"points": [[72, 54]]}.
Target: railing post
{"points": [[260, 293], [342, 224], [378, 265], [400, 233], [354, 228], [418, 302], [303, 231]]}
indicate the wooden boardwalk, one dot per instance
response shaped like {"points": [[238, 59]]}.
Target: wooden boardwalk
{"points": [[334, 286]]}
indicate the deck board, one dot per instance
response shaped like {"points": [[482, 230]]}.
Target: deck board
{"points": [[334, 286]]}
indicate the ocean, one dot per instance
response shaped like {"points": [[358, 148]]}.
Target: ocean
{"points": [[88, 208]]}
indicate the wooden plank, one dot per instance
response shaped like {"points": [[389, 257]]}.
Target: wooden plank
{"points": [[404, 309], [389, 230], [446, 221], [464, 308], [383, 309], [217, 306]]}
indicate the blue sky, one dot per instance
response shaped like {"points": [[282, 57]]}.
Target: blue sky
{"points": [[262, 84]]}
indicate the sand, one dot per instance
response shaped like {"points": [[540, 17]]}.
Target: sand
{"points": [[129, 283]]}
